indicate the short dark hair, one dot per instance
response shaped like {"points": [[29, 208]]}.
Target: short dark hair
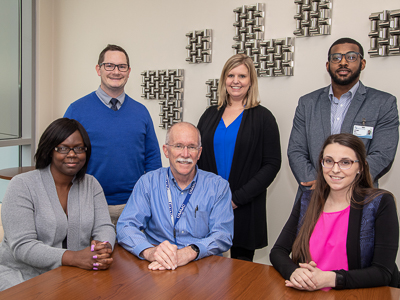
{"points": [[347, 40], [111, 47], [57, 132]]}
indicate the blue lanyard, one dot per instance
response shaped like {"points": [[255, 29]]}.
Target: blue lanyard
{"points": [[183, 206]]}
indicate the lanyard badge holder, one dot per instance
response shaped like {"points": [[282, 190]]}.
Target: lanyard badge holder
{"points": [[183, 206]]}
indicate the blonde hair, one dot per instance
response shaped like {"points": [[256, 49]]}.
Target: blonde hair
{"points": [[252, 94]]}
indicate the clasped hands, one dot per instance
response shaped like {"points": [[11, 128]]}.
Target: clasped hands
{"points": [[96, 257], [309, 277], [166, 256]]}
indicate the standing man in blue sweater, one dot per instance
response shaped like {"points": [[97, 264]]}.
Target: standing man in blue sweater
{"points": [[124, 143]]}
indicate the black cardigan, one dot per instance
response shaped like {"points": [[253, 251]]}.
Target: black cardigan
{"points": [[256, 161], [383, 270]]}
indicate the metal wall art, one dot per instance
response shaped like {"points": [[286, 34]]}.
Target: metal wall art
{"points": [[272, 57], [199, 46], [249, 20], [166, 86], [313, 17], [385, 33], [212, 91]]}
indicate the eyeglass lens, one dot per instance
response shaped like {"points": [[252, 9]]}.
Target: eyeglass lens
{"points": [[349, 56], [111, 67], [343, 164]]}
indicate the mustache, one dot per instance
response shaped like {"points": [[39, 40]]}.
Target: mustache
{"points": [[184, 160]]}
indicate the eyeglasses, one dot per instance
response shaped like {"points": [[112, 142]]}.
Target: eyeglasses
{"points": [[111, 67], [66, 150], [350, 56], [180, 147], [343, 164]]}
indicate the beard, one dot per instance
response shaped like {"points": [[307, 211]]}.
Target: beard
{"points": [[336, 79]]}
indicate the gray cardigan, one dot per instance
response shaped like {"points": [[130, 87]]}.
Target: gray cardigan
{"points": [[35, 224]]}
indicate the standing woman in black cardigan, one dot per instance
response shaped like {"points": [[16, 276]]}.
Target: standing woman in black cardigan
{"points": [[240, 140]]}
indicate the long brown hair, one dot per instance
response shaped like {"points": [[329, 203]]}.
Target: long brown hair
{"points": [[362, 186]]}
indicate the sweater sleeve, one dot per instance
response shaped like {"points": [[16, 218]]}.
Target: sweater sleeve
{"points": [[21, 235], [152, 154], [386, 245], [280, 253], [103, 229]]}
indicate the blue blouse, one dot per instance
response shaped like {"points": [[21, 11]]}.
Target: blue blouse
{"points": [[224, 145]]}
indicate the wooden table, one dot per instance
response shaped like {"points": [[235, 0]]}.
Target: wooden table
{"points": [[8, 174], [209, 278]]}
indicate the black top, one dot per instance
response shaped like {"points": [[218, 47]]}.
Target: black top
{"points": [[256, 161], [383, 270]]}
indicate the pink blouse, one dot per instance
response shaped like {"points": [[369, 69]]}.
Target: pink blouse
{"points": [[328, 240]]}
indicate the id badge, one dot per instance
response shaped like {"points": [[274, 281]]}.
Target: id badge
{"points": [[364, 132]]}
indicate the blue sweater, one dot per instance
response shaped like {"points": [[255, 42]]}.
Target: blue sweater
{"points": [[124, 144]]}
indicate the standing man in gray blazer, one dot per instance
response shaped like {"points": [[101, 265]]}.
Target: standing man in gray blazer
{"points": [[344, 106]]}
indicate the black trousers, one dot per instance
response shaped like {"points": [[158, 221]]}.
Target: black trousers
{"points": [[242, 253]]}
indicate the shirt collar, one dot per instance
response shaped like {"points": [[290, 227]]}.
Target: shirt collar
{"points": [[106, 98], [172, 178], [352, 92]]}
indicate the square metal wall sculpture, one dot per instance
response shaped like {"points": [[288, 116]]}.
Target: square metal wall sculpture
{"points": [[272, 57], [166, 86], [313, 17], [212, 91], [385, 33], [199, 46]]}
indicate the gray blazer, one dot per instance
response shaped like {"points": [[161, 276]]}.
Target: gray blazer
{"points": [[312, 125], [35, 224]]}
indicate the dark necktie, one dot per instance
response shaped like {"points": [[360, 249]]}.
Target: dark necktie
{"points": [[114, 104]]}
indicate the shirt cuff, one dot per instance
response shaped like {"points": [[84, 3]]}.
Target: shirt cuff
{"points": [[139, 248]]}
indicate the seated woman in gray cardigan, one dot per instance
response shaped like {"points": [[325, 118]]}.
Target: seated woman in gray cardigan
{"points": [[55, 215]]}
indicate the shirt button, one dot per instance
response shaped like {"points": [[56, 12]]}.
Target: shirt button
{"points": [[341, 105], [183, 231], [181, 193], [338, 119]]}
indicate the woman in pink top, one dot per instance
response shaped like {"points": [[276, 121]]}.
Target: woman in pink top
{"points": [[343, 234]]}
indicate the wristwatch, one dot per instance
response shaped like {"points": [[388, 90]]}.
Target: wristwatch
{"points": [[340, 281], [195, 248]]}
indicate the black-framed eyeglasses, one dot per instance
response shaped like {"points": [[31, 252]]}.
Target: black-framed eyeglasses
{"points": [[66, 150], [111, 67], [180, 147], [343, 164], [350, 56]]}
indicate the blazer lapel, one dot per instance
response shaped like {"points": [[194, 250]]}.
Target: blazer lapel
{"points": [[325, 112], [354, 107]]}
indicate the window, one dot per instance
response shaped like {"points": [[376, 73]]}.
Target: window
{"points": [[16, 85]]}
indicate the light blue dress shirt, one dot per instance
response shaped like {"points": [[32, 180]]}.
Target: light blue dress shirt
{"points": [[207, 221], [106, 99], [339, 107]]}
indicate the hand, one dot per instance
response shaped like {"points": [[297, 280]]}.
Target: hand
{"points": [[302, 279], [103, 251], [321, 279], [165, 254], [234, 205], [309, 183], [86, 259], [184, 256]]}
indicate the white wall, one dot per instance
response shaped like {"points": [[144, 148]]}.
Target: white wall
{"points": [[71, 34]]}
